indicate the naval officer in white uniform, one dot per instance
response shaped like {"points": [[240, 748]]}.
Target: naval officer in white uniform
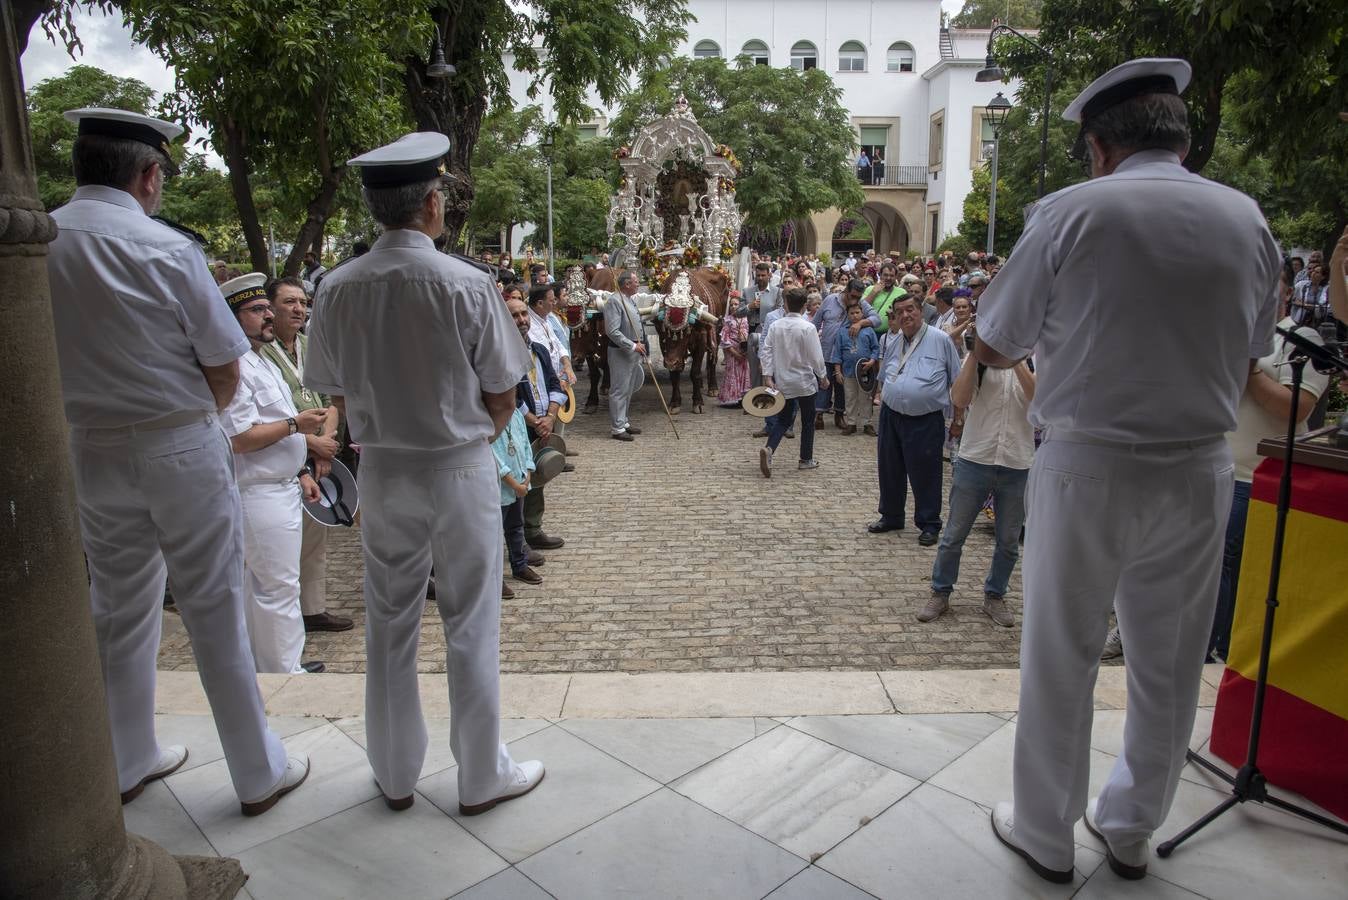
{"points": [[421, 354], [267, 435], [149, 354], [1129, 493]]}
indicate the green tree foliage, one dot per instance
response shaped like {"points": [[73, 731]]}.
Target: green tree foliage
{"points": [[566, 48], [289, 87], [507, 170], [1269, 79], [789, 129], [981, 13], [974, 226], [583, 175], [53, 136]]}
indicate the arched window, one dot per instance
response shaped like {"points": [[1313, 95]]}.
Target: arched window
{"points": [[706, 50], [852, 57], [804, 56], [901, 57], [757, 51]]}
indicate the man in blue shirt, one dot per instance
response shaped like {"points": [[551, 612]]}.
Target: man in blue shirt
{"points": [[832, 315], [846, 355], [917, 371]]}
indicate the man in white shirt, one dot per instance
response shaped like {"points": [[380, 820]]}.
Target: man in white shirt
{"points": [[995, 451], [1133, 480], [148, 355], [419, 351], [267, 435], [793, 363]]}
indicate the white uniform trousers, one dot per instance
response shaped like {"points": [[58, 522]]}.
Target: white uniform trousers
{"points": [[1141, 531], [271, 562], [147, 497], [444, 507], [626, 375], [313, 566]]}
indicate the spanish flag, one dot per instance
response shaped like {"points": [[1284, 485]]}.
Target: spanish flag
{"points": [[1305, 728]]}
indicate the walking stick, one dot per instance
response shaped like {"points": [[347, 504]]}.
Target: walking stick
{"points": [[661, 394]]}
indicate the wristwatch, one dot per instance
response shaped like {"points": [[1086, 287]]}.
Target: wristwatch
{"points": [[292, 425]]}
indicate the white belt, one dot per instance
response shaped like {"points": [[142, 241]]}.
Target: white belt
{"points": [[255, 482], [172, 420], [1076, 437]]}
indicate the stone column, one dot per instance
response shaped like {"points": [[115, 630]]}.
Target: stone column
{"points": [[59, 805]]}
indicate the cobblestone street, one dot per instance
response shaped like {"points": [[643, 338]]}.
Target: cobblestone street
{"points": [[680, 557]]}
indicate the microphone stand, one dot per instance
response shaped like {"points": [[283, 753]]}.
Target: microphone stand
{"points": [[1249, 783]]}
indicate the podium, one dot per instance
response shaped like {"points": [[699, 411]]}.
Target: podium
{"points": [[1306, 707]]}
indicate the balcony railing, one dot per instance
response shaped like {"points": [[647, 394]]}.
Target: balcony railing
{"points": [[884, 175]]}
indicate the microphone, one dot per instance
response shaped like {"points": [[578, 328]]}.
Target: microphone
{"points": [[1322, 359]]}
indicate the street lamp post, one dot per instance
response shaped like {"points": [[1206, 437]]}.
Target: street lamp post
{"points": [[993, 72], [547, 151], [995, 113]]}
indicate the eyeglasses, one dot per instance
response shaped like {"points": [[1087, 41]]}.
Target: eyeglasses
{"points": [[256, 309]]}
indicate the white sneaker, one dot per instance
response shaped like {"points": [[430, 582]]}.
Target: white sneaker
{"points": [[1127, 860], [170, 760], [1113, 648], [528, 775], [297, 769], [765, 461], [1003, 825], [808, 464]]}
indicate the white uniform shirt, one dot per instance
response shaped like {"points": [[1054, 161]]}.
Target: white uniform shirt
{"points": [[1144, 295], [540, 333], [263, 397], [136, 314], [997, 429], [1253, 422], [791, 354], [412, 338]]}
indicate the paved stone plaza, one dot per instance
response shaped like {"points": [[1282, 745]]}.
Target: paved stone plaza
{"points": [[681, 557]]}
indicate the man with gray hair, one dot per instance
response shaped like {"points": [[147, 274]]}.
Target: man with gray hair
{"points": [[627, 352], [149, 357], [1129, 493], [418, 351]]}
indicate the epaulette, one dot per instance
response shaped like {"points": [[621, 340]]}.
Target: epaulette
{"points": [[496, 272], [182, 229]]}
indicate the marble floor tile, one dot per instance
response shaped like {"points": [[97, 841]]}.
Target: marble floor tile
{"points": [[1250, 851], [199, 736], [582, 786], [935, 844], [984, 690], [795, 790], [816, 884], [664, 749], [1105, 885], [438, 754], [1111, 689], [156, 814], [508, 884], [522, 696], [339, 778], [331, 695], [370, 851], [663, 845], [686, 694], [1107, 730], [916, 745], [983, 775]]}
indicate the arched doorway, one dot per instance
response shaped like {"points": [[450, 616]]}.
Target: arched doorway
{"points": [[854, 232]]}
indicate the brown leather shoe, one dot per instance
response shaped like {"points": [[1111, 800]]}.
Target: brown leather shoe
{"points": [[936, 606], [326, 621], [818, 421], [870, 430], [528, 576], [838, 421], [542, 541], [506, 592], [849, 429], [760, 433], [533, 557]]}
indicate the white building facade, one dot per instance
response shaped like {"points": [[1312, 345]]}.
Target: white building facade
{"points": [[907, 83]]}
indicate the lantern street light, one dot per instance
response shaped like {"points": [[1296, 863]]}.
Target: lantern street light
{"points": [[438, 68], [993, 72], [995, 114]]}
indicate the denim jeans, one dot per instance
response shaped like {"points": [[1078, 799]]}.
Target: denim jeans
{"points": [[831, 398], [780, 424], [512, 521], [969, 487], [1231, 555]]}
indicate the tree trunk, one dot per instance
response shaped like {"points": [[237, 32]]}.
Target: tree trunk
{"points": [[1204, 139], [311, 232], [453, 106], [236, 160]]}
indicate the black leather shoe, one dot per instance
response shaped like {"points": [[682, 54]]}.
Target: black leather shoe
{"points": [[623, 436], [632, 429], [542, 541], [928, 538], [313, 666], [880, 526], [326, 621]]}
